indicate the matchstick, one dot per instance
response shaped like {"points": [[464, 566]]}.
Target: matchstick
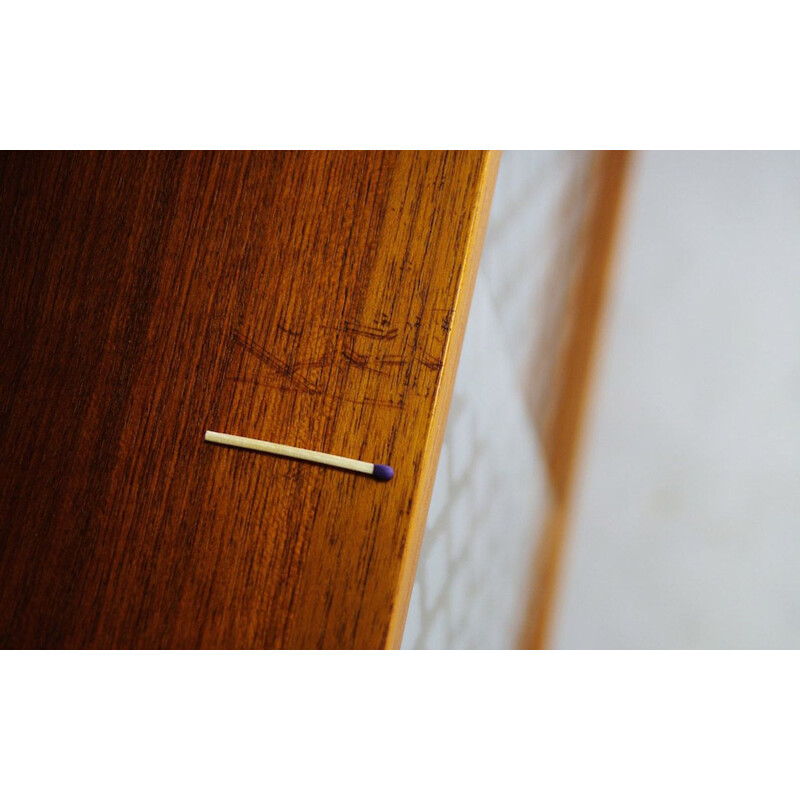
{"points": [[381, 472]]}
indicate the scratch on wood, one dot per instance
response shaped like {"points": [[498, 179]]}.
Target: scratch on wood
{"points": [[368, 401], [392, 361], [360, 360], [282, 367], [369, 331], [284, 329], [430, 362]]}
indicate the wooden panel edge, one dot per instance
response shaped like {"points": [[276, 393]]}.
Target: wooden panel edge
{"points": [[441, 405]]}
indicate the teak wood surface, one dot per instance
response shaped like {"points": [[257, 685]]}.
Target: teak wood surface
{"points": [[311, 299]]}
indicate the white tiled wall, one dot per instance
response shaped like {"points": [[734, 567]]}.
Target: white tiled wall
{"points": [[490, 489]]}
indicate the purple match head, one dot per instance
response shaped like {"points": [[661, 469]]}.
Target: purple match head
{"points": [[382, 472]]}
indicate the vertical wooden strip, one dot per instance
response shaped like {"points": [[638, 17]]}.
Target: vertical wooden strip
{"points": [[576, 368]]}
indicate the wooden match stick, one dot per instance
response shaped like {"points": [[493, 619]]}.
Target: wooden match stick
{"points": [[381, 472]]}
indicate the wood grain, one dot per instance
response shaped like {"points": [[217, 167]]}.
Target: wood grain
{"points": [[313, 299]]}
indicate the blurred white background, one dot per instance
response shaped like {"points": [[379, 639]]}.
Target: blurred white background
{"points": [[686, 530]]}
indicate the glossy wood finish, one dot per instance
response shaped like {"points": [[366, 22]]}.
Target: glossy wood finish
{"points": [[312, 299]]}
